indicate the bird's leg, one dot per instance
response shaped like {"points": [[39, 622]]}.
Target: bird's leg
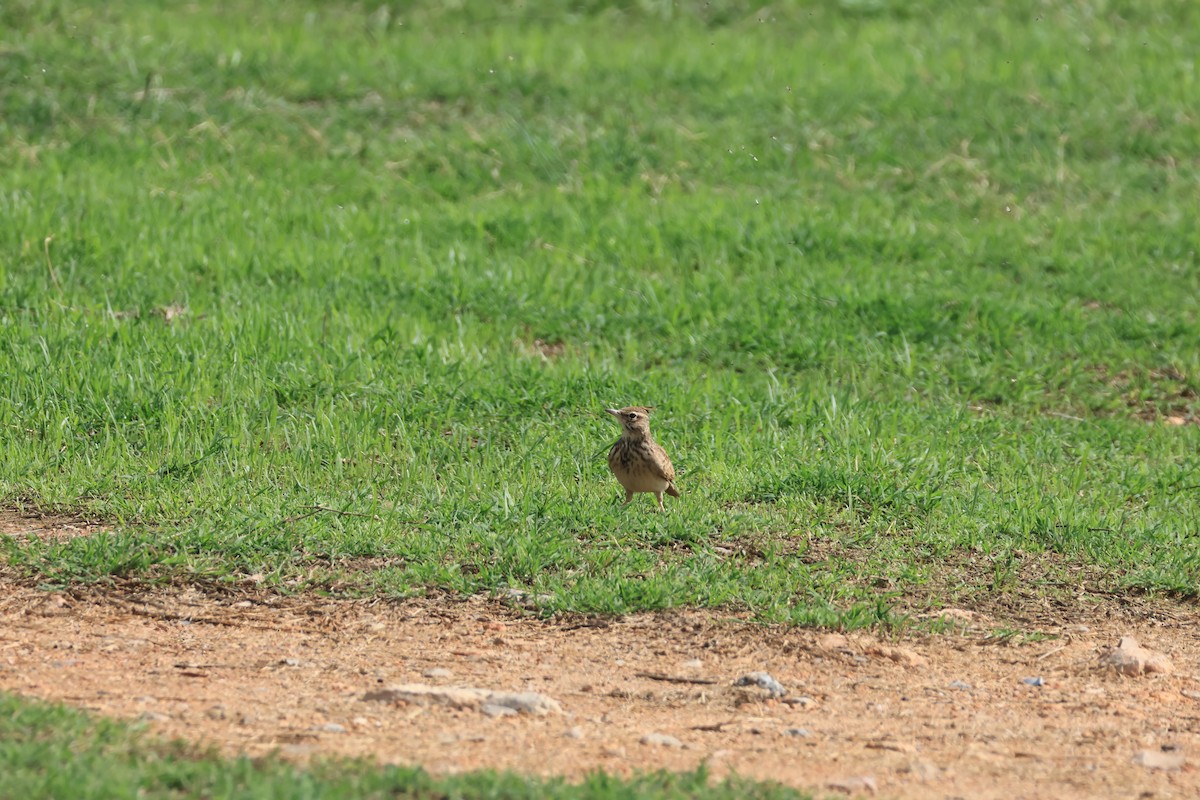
{"points": [[628, 497], [661, 507]]}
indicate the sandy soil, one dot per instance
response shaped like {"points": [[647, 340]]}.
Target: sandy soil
{"points": [[919, 717]]}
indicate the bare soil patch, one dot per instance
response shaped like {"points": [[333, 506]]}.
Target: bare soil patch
{"points": [[930, 716], [947, 715], [35, 525]]}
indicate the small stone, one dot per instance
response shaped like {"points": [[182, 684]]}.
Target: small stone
{"points": [[833, 643], [1035, 681], [437, 672], [1165, 760], [573, 733], [692, 663], [660, 740], [804, 701], [526, 702], [901, 655], [216, 712], [153, 716], [800, 732], [523, 598], [425, 695], [762, 680], [360, 721], [961, 685], [854, 785], [289, 662], [330, 727], [497, 710], [1130, 658]]}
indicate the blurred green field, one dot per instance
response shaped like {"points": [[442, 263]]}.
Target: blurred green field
{"points": [[914, 288]]}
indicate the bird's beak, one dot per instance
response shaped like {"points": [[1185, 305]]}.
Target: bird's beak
{"points": [[613, 411]]}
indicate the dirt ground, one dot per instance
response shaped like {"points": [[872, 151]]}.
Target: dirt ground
{"points": [[923, 716]]}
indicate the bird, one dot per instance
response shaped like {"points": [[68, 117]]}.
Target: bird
{"points": [[639, 462]]}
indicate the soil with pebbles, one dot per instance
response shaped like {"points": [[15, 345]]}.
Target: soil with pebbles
{"points": [[960, 714]]}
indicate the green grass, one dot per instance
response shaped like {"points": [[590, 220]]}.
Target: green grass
{"points": [[912, 285], [53, 752]]}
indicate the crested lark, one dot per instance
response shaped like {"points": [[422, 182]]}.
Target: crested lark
{"points": [[639, 462]]}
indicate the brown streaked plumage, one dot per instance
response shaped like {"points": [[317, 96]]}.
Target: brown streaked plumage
{"points": [[639, 462]]}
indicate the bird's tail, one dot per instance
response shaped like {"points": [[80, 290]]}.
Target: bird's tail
{"points": [[671, 490]]}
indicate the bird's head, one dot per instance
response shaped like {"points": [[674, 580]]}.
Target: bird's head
{"points": [[633, 419]]}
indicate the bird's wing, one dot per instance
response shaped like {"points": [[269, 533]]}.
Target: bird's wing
{"points": [[661, 465]]}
